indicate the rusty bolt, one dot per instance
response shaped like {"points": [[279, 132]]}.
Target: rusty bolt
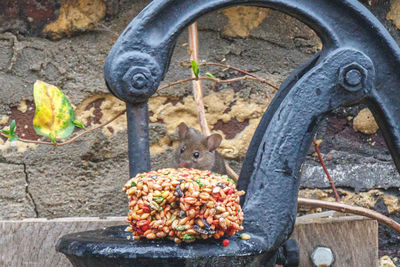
{"points": [[352, 77], [322, 256]]}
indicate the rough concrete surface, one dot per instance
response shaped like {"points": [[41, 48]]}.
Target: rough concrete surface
{"points": [[86, 177]]}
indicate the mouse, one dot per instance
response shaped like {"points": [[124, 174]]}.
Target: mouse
{"points": [[198, 151]]}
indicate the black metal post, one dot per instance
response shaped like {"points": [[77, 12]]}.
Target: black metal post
{"points": [[138, 138]]}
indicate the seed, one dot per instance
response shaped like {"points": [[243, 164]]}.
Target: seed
{"points": [[190, 200], [191, 232], [241, 193], [165, 194], [144, 216], [216, 190], [210, 204], [154, 205], [220, 209], [151, 236], [139, 186], [145, 188], [181, 228], [206, 190], [245, 236], [225, 242], [183, 206], [204, 196], [157, 187], [161, 234], [200, 223], [195, 194], [191, 213], [225, 214], [184, 220]]}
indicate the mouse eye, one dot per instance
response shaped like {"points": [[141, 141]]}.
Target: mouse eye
{"points": [[196, 154], [182, 149]]}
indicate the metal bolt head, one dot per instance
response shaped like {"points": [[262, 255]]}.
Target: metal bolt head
{"points": [[322, 257], [352, 77], [139, 80]]}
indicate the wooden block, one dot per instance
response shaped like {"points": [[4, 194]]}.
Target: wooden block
{"points": [[31, 242], [353, 239]]}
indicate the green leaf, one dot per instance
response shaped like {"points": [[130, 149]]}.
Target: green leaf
{"points": [[54, 114], [79, 124], [53, 138], [195, 68], [10, 134], [5, 131], [231, 180], [12, 127], [200, 183], [210, 75]]}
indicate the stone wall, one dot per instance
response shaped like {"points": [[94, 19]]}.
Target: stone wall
{"points": [[65, 43]]}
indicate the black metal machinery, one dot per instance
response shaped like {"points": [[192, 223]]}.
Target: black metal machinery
{"points": [[359, 63]]}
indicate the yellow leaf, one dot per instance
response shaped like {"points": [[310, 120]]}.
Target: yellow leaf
{"points": [[54, 114]]}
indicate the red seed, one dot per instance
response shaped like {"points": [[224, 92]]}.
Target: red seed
{"points": [[146, 209], [225, 242], [145, 227]]}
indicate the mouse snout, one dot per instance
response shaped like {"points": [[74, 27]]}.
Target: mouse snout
{"points": [[184, 164]]}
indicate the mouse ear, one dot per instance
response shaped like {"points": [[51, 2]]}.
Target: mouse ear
{"points": [[213, 141], [183, 130]]}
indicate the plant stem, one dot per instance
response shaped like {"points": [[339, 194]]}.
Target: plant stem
{"points": [[197, 88], [316, 147]]}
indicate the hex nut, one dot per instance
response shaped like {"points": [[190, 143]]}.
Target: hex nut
{"points": [[138, 81], [352, 77], [322, 256]]}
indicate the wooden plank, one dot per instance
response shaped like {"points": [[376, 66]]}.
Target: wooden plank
{"points": [[31, 242], [353, 240]]}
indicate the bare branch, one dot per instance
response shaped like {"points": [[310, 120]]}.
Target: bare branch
{"points": [[316, 147], [254, 77], [341, 207]]}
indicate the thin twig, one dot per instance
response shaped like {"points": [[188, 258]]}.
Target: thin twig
{"points": [[197, 88], [316, 147], [216, 80], [75, 137], [205, 63], [341, 207]]}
